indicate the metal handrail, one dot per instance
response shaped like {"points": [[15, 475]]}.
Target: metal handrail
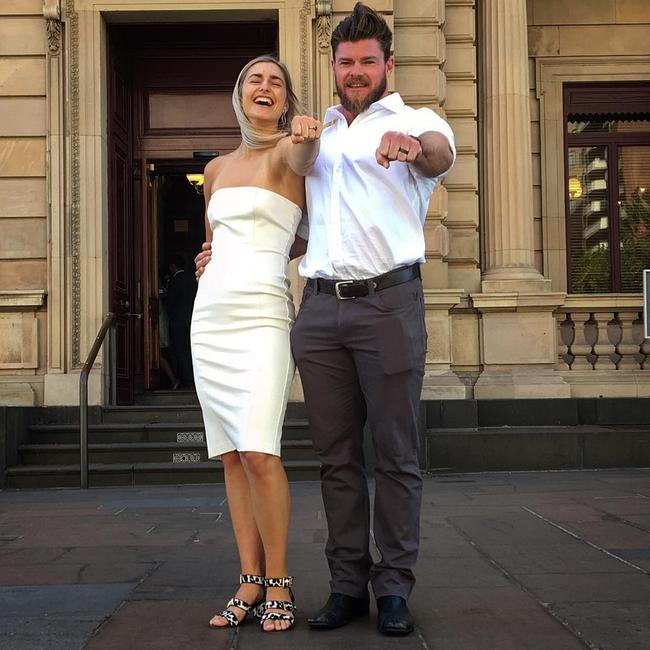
{"points": [[107, 325]]}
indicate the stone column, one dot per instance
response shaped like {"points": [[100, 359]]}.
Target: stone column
{"points": [[508, 187], [518, 331], [57, 292]]}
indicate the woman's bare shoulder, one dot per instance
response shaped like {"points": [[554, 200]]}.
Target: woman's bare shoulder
{"points": [[213, 167]]}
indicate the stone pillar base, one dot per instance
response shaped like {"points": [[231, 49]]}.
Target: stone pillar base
{"points": [[519, 346], [521, 383], [443, 384], [17, 394], [439, 381], [503, 285], [605, 383], [63, 389]]}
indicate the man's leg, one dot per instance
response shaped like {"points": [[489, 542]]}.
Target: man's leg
{"points": [[388, 336], [336, 412]]}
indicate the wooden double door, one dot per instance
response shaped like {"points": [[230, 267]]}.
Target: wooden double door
{"points": [[169, 111]]}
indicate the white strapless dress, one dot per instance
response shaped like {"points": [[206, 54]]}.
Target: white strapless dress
{"points": [[242, 316]]}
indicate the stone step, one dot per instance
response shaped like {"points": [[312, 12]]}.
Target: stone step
{"points": [[141, 452], [167, 397], [40, 476], [142, 432], [151, 414], [537, 448], [174, 413]]}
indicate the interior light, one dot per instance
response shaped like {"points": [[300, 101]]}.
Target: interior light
{"points": [[575, 188], [196, 181]]}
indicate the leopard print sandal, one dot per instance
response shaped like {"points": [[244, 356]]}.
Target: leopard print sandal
{"points": [[286, 606], [230, 616]]}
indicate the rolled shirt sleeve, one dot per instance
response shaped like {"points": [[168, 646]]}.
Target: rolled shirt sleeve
{"points": [[424, 120]]}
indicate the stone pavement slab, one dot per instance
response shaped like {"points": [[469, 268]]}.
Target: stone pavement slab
{"points": [[502, 618], [155, 624], [508, 561], [55, 617], [615, 625], [46, 633]]}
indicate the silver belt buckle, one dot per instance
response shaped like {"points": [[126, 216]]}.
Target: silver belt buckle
{"points": [[337, 289]]}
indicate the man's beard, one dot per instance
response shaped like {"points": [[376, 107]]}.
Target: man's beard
{"points": [[357, 106]]}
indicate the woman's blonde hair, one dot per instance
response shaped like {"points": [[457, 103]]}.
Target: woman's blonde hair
{"points": [[253, 138]]}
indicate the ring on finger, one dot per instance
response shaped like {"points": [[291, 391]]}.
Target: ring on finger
{"points": [[404, 151], [310, 128]]}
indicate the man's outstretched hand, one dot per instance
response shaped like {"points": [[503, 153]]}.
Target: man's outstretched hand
{"points": [[396, 146], [202, 259]]}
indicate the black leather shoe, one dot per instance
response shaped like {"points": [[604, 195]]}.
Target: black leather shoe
{"points": [[394, 617], [339, 610]]}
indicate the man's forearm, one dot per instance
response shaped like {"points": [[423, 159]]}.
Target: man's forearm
{"points": [[298, 248], [436, 157]]}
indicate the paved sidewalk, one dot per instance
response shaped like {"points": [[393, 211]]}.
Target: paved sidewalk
{"points": [[553, 560]]}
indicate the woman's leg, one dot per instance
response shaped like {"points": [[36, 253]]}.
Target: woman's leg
{"points": [[174, 383], [271, 503], [249, 543]]}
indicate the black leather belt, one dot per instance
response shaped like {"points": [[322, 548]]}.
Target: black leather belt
{"points": [[346, 289]]}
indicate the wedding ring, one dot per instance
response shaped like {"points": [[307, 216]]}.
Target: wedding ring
{"points": [[311, 127], [404, 151]]}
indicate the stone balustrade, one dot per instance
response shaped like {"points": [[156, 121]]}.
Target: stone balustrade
{"points": [[602, 333]]}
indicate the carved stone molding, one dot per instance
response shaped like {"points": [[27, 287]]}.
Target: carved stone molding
{"points": [[52, 9], [305, 20], [53, 28], [52, 14], [323, 8], [72, 18], [324, 24], [324, 31], [22, 300]]}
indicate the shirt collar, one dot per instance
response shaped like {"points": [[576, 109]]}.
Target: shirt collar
{"points": [[392, 102]]}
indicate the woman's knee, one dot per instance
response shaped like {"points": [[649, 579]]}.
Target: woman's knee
{"points": [[258, 465], [231, 460]]}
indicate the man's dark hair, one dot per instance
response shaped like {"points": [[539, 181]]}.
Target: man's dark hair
{"points": [[363, 23], [178, 261]]}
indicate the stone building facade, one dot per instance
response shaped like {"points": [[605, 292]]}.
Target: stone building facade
{"points": [[503, 317]]}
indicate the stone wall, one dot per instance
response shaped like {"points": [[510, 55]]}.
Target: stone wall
{"points": [[23, 200], [614, 30], [601, 347], [461, 106], [438, 52], [23, 257]]}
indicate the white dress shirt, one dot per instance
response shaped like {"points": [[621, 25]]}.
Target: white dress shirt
{"points": [[364, 219]]}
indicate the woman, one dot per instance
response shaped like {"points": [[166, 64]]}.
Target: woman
{"points": [[240, 327]]}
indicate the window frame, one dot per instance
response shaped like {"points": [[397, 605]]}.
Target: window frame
{"points": [[610, 99]]}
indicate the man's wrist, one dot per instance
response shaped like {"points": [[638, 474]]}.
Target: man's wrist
{"points": [[414, 137]]}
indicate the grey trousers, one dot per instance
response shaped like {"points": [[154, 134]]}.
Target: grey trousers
{"points": [[363, 360]]}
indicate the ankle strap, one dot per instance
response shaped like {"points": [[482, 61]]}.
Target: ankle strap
{"points": [[246, 578], [286, 582]]}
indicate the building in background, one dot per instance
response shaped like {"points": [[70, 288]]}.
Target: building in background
{"points": [[535, 243]]}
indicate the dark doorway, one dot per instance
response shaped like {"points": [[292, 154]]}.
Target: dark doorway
{"points": [[179, 215], [169, 90]]}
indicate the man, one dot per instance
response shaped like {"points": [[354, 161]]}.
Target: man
{"points": [[179, 302], [360, 340]]}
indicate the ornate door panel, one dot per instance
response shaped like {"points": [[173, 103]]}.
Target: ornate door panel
{"points": [[120, 218]]}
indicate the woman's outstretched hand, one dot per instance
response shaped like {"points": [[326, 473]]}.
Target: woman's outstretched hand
{"points": [[305, 129]]}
